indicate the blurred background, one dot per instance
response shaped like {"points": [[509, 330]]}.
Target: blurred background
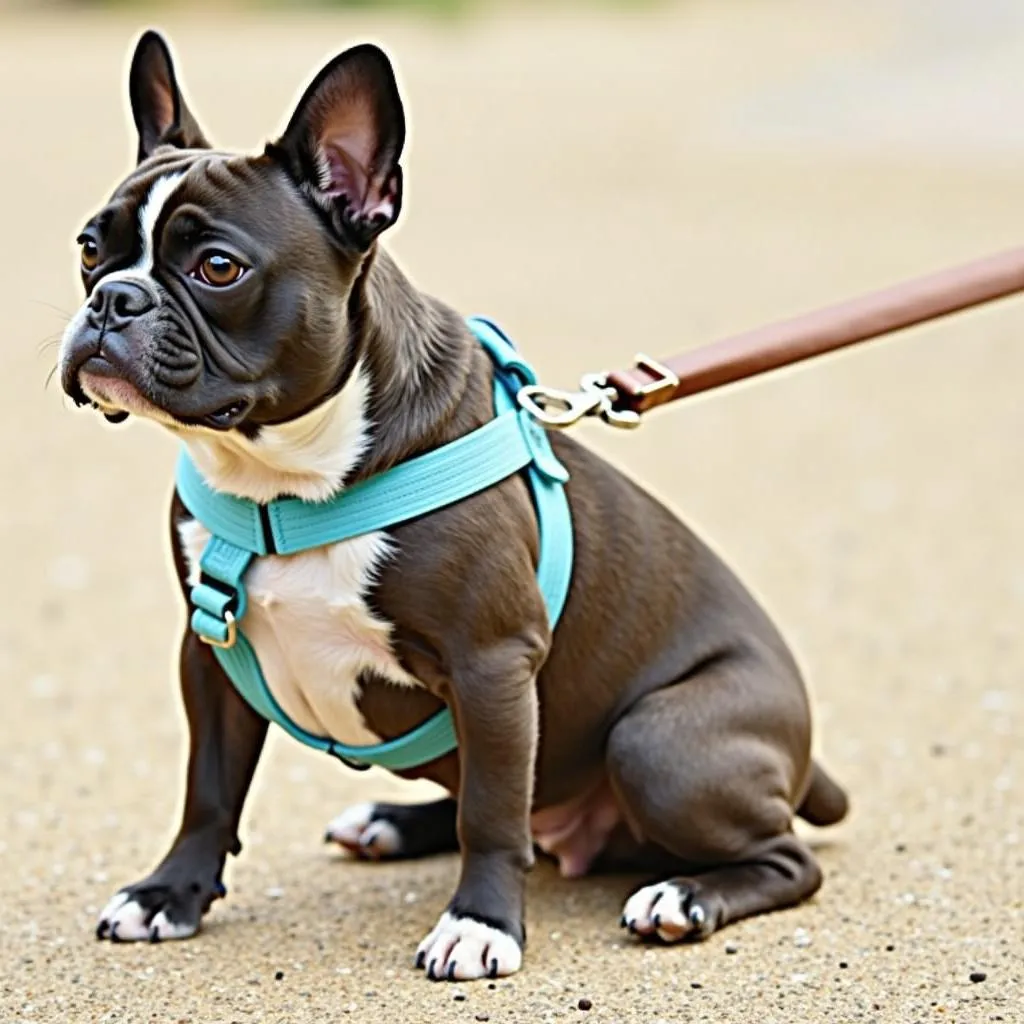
{"points": [[601, 177]]}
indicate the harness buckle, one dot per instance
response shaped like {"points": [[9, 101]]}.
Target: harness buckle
{"points": [[232, 635]]}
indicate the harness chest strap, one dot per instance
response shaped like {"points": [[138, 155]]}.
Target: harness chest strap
{"points": [[242, 530]]}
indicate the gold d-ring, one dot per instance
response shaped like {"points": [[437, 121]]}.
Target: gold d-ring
{"points": [[229, 642]]}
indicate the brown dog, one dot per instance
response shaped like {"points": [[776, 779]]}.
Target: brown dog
{"points": [[244, 303]]}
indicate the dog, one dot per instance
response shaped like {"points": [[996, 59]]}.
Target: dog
{"points": [[244, 303]]}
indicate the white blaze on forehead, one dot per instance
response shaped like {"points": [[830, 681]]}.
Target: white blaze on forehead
{"points": [[149, 213]]}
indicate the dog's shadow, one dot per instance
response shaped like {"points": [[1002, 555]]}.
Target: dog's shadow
{"points": [[554, 902], [591, 905]]}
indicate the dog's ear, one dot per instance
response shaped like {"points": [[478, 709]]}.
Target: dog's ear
{"points": [[158, 107], [343, 143]]}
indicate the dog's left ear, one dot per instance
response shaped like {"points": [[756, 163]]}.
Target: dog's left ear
{"points": [[343, 143], [158, 106]]}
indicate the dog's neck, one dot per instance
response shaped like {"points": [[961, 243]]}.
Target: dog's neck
{"points": [[410, 389]]}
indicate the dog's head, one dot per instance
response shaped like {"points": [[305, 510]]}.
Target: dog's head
{"points": [[219, 287]]}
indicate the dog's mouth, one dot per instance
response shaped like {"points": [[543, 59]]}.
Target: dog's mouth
{"points": [[227, 416], [117, 398]]}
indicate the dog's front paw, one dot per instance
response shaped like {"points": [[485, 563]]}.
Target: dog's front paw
{"points": [[153, 911], [462, 948], [672, 910]]}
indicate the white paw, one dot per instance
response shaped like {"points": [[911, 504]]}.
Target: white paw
{"points": [[460, 949], [664, 909], [161, 929], [356, 832], [125, 920]]}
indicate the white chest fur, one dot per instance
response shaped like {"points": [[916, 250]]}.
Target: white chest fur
{"points": [[312, 631]]}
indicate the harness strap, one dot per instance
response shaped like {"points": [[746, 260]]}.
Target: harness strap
{"points": [[242, 530], [441, 477]]}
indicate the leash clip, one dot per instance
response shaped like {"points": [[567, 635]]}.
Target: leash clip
{"points": [[560, 409]]}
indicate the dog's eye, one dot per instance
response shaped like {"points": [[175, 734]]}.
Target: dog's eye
{"points": [[90, 254], [219, 270]]}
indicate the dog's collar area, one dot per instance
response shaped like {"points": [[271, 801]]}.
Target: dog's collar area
{"points": [[242, 530]]}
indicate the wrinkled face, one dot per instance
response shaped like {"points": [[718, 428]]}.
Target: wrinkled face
{"points": [[212, 296], [218, 285]]}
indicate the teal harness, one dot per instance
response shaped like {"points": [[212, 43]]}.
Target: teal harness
{"points": [[242, 530]]}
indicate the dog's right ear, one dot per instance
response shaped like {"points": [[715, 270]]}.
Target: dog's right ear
{"points": [[343, 144], [158, 107]]}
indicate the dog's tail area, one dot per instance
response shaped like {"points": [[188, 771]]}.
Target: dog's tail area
{"points": [[826, 802]]}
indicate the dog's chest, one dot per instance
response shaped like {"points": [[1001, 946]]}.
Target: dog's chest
{"points": [[311, 628]]}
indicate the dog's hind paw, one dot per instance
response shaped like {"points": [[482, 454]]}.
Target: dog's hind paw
{"points": [[392, 831], [671, 910], [462, 948], [363, 834]]}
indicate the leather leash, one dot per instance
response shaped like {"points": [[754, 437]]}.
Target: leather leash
{"points": [[621, 396]]}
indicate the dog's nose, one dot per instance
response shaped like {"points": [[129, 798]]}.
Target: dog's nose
{"points": [[118, 302]]}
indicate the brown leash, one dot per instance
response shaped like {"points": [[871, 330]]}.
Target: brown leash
{"points": [[621, 396]]}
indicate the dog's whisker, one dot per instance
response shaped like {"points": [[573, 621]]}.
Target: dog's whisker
{"points": [[56, 309]]}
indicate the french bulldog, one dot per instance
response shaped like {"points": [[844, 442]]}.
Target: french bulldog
{"points": [[245, 303]]}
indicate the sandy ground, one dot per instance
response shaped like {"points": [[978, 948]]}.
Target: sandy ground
{"points": [[601, 183]]}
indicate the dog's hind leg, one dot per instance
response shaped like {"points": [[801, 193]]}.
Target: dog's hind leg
{"points": [[396, 831], [710, 769]]}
